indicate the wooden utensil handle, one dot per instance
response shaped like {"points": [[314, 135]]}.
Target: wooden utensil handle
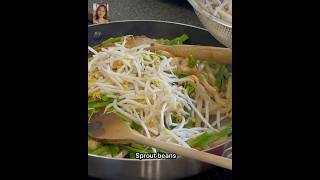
{"points": [[215, 54], [187, 152]]}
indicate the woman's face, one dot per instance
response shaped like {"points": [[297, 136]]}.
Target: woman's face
{"points": [[101, 12]]}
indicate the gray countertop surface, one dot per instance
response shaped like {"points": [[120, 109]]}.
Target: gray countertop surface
{"points": [[166, 10]]}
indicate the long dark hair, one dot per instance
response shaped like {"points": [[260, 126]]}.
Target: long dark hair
{"points": [[105, 8]]}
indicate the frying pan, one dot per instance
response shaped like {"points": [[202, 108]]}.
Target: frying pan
{"points": [[116, 168]]}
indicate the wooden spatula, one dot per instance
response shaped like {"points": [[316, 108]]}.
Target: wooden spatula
{"points": [[110, 129], [209, 53]]}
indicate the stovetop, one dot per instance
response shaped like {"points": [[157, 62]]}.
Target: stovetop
{"points": [[169, 10], [213, 174]]}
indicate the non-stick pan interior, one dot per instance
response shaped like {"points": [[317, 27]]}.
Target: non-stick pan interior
{"points": [[183, 167], [153, 29]]}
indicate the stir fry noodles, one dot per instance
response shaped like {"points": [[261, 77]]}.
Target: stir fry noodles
{"points": [[173, 99]]}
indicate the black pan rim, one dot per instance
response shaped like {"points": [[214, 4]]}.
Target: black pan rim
{"points": [[156, 21], [159, 21]]}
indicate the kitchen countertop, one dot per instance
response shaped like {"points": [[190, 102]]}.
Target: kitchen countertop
{"points": [[166, 10]]}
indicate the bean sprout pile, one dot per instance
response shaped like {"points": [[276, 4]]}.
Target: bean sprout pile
{"points": [[222, 10], [144, 86]]}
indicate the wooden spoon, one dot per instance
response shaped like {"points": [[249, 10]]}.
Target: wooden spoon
{"points": [[110, 129], [209, 53]]}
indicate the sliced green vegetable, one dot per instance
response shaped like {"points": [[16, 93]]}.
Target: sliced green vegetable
{"points": [[134, 150], [174, 117], [184, 37], [181, 74], [205, 75], [123, 117], [105, 98], [91, 150], [190, 123], [211, 64], [102, 150], [158, 53], [138, 146], [194, 142], [192, 61], [132, 155], [90, 99], [204, 140], [107, 150], [147, 58], [114, 149], [154, 56], [95, 104], [98, 105], [222, 76], [175, 41], [163, 41], [135, 126], [190, 88], [108, 42], [179, 40]]}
